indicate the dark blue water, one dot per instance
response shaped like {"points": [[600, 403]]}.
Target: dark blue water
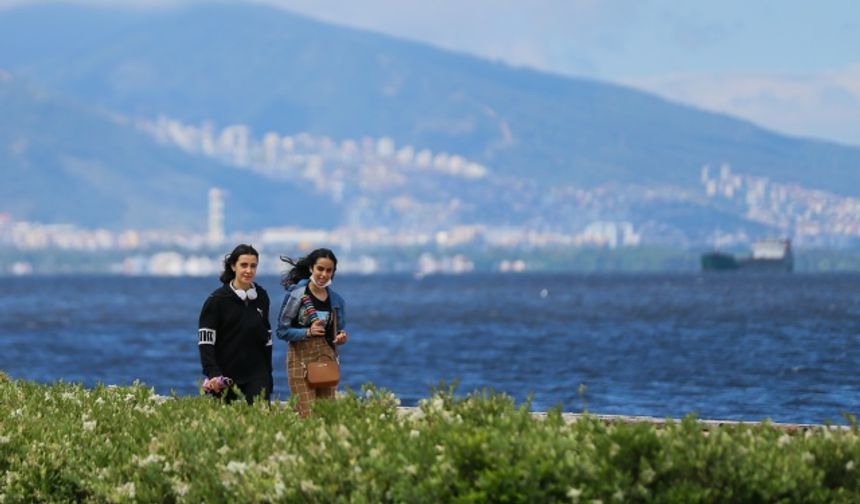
{"points": [[725, 346]]}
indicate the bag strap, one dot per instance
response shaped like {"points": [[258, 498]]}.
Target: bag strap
{"points": [[333, 316], [318, 358]]}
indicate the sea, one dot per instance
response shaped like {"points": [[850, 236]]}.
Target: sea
{"points": [[722, 346]]}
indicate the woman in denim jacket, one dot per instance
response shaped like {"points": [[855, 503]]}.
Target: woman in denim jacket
{"points": [[312, 320]]}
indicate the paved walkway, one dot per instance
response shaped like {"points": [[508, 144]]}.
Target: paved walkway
{"points": [[659, 422]]}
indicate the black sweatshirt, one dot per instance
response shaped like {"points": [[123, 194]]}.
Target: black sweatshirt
{"points": [[234, 336]]}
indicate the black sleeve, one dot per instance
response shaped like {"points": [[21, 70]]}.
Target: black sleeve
{"points": [[266, 308], [207, 336], [266, 303]]}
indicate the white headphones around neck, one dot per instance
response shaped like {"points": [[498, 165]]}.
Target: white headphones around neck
{"points": [[250, 294]]}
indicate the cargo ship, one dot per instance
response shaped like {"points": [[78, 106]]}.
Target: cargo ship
{"points": [[767, 255]]}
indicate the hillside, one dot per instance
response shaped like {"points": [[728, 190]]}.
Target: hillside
{"points": [[66, 163], [239, 63]]}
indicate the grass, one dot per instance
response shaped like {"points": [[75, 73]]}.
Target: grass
{"points": [[63, 442]]}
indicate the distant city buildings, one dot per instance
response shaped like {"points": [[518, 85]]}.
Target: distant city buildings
{"points": [[562, 214], [167, 253], [438, 233], [808, 216], [611, 234]]}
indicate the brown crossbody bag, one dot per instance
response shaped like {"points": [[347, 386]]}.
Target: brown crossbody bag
{"points": [[325, 371]]}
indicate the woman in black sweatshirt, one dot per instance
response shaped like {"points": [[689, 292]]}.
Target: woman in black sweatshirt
{"points": [[234, 334]]}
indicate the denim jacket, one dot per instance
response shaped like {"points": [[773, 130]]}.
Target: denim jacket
{"points": [[292, 320]]}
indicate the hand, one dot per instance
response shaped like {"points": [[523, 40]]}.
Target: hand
{"points": [[340, 338], [317, 328], [216, 384]]}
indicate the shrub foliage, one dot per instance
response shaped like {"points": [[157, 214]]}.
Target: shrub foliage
{"points": [[63, 442]]}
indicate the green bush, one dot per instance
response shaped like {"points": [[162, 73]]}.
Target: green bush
{"points": [[63, 442]]}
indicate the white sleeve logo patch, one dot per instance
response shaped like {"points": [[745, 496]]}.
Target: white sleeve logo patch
{"points": [[269, 343], [205, 336]]}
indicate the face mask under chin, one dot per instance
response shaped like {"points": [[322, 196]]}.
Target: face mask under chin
{"points": [[314, 281]]}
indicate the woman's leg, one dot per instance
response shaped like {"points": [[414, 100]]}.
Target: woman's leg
{"points": [[326, 393], [298, 383], [255, 387]]}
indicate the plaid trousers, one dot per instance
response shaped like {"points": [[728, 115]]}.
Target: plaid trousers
{"points": [[300, 353]]}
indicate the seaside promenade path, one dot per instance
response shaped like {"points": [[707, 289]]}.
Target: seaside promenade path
{"points": [[659, 422]]}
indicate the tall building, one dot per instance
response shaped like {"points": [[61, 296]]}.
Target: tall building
{"points": [[216, 216]]}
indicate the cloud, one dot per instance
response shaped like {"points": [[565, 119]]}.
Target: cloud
{"points": [[824, 105]]}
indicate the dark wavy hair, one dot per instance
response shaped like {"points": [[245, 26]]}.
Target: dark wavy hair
{"points": [[301, 268], [230, 260]]}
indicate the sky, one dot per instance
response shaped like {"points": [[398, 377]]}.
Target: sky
{"points": [[792, 66]]}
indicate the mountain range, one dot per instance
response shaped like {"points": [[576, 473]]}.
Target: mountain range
{"points": [[75, 79]]}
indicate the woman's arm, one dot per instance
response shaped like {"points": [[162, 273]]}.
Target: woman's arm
{"points": [[286, 319], [341, 314], [207, 336], [266, 302], [292, 333], [340, 310]]}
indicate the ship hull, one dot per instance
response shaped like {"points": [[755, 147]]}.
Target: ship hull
{"points": [[766, 259], [716, 261]]}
